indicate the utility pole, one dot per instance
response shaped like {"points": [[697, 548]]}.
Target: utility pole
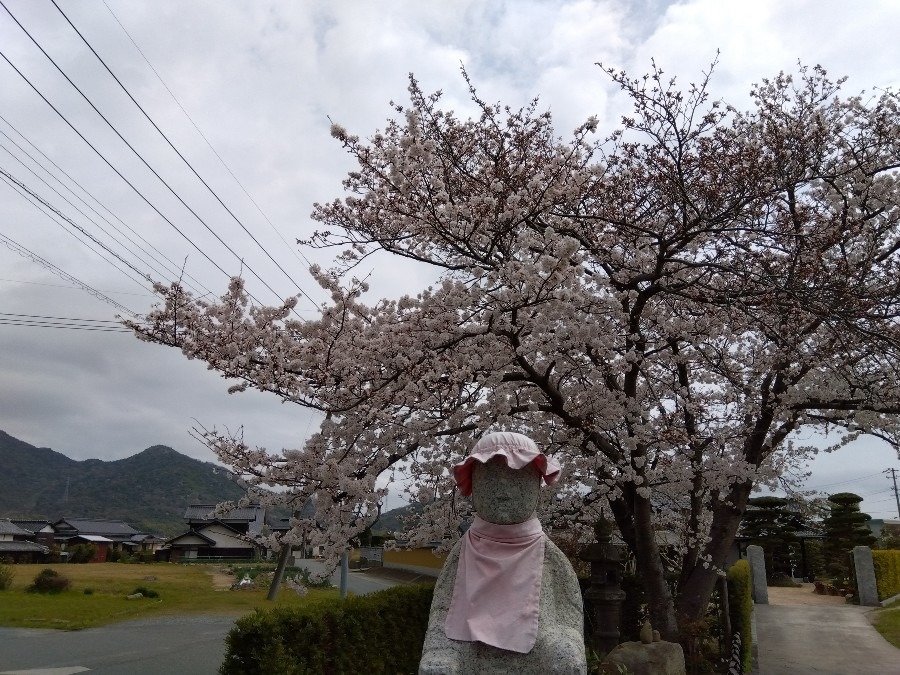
{"points": [[893, 473]]}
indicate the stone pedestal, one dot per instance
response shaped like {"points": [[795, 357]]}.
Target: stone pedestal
{"points": [[756, 558], [656, 658]]}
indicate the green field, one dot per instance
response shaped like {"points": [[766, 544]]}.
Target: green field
{"points": [[183, 589], [887, 622]]}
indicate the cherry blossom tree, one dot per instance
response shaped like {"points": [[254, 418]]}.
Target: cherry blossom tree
{"points": [[663, 309]]}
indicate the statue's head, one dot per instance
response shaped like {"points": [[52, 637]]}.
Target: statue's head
{"points": [[503, 474]]}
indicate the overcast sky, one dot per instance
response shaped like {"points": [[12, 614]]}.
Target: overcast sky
{"points": [[260, 80]]}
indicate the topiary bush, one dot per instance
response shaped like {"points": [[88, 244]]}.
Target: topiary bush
{"points": [[740, 611], [378, 633], [887, 573], [49, 581]]}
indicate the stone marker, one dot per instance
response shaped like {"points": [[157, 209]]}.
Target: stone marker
{"points": [[866, 585], [507, 599], [757, 560]]}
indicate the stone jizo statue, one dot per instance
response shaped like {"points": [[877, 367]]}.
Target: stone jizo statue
{"points": [[507, 599]]}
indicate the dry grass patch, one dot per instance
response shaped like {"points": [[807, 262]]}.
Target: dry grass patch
{"points": [[98, 595]]}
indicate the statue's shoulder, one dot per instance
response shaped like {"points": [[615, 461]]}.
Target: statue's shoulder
{"points": [[552, 552]]}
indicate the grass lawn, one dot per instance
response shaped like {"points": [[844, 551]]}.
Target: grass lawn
{"points": [[183, 589], [887, 622]]}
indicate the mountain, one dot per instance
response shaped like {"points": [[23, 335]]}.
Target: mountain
{"points": [[393, 521], [149, 490]]}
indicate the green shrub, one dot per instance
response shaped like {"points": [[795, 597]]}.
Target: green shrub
{"points": [[740, 610], [146, 592], [49, 581], [378, 633], [887, 573], [88, 591], [7, 573], [82, 553]]}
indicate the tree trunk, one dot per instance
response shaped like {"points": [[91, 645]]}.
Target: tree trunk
{"points": [[641, 539], [699, 582], [279, 570]]}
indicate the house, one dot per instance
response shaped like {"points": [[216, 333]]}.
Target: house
{"points": [[884, 526], [42, 529], [248, 520], [19, 545], [209, 540], [106, 535], [145, 543]]}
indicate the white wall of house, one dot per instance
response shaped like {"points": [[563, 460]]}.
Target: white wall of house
{"points": [[224, 538]]}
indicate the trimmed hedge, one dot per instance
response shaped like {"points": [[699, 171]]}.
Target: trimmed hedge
{"points": [[378, 633], [887, 573], [740, 610]]}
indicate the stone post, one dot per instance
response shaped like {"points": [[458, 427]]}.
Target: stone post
{"points": [[866, 586], [757, 559], [604, 593]]}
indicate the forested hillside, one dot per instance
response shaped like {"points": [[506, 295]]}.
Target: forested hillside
{"points": [[148, 490]]}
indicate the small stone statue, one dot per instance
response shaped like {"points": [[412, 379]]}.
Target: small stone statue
{"points": [[507, 599]]}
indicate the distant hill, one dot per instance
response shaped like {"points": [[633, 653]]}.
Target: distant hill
{"points": [[393, 521], [149, 490]]}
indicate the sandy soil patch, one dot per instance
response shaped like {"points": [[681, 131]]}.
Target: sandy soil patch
{"points": [[801, 596], [221, 580]]}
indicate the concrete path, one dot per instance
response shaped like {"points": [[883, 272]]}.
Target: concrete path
{"points": [[800, 633]]}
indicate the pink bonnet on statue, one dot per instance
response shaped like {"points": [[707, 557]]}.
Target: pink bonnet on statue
{"points": [[517, 449]]}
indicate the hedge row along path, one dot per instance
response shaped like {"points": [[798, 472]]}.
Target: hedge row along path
{"points": [[801, 633]]}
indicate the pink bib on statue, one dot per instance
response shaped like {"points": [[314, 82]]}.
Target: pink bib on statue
{"points": [[496, 597]]}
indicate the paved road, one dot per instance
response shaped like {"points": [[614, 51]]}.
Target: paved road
{"points": [[189, 645], [173, 645], [818, 639], [357, 582]]}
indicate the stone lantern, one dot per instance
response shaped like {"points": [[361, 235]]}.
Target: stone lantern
{"points": [[605, 593]]}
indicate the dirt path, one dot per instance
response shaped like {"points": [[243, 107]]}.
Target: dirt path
{"points": [[802, 596], [221, 580]]}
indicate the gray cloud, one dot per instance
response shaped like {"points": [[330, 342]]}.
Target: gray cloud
{"points": [[260, 79]]}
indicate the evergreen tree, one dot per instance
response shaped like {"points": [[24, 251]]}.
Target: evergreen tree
{"points": [[771, 523], [845, 527]]}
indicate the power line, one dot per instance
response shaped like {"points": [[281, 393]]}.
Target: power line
{"points": [[34, 200], [118, 173], [177, 152], [34, 257], [59, 318], [893, 473], [208, 143], [50, 324], [43, 321], [10, 178], [39, 283], [844, 482], [135, 152], [171, 268]]}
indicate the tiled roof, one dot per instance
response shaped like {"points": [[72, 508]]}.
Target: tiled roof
{"points": [[144, 538], [22, 547], [30, 525], [8, 527], [101, 527], [204, 512]]}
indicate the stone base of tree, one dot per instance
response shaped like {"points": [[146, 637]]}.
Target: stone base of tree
{"points": [[656, 658]]}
